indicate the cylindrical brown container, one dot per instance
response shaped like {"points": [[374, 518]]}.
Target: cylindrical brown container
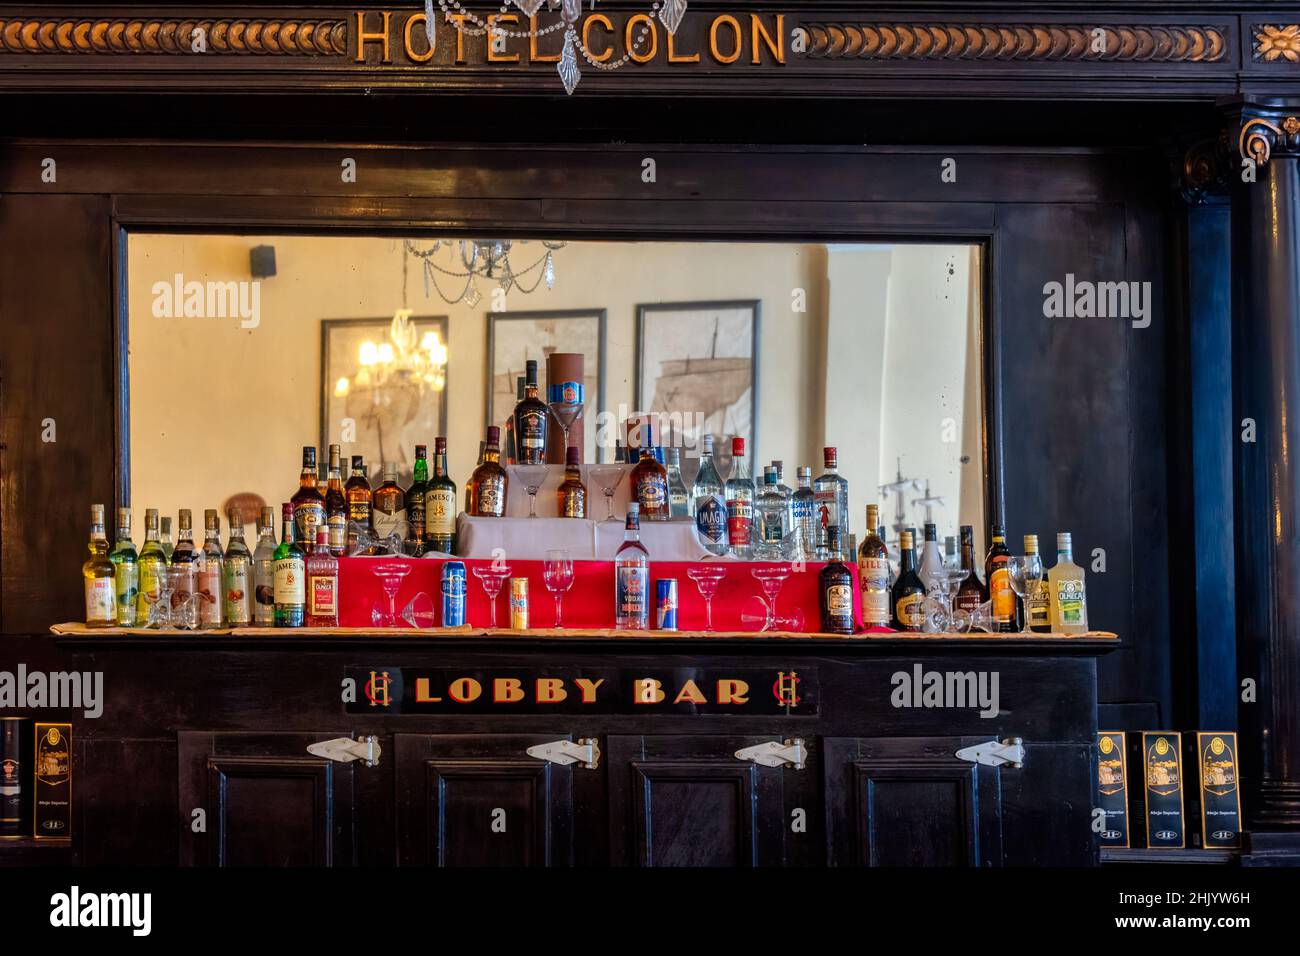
{"points": [[566, 367], [15, 776]]}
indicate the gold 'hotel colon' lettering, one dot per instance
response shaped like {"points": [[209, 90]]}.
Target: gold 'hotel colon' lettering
{"points": [[726, 40]]}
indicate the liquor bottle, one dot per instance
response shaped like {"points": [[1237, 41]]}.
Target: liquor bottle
{"points": [[770, 515], [510, 449], [803, 517], [469, 485], [1037, 604], [210, 576], [165, 538], [308, 503], [632, 577], [290, 573], [951, 559], [184, 569], [153, 568], [908, 596], [416, 515], [971, 592], [620, 453], [336, 504], [357, 494], [126, 571], [98, 575], [571, 496], [530, 420], [237, 571], [490, 483], [740, 504], [264, 570], [322, 569], [831, 493], [710, 505], [786, 491], [836, 590], [873, 575], [999, 581], [649, 483], [1069, 605], [931, 571], [679, 499], [388, 512], [440, 503]]}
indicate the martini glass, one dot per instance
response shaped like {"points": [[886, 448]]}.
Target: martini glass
{"points": [[390, 574], [419, 611], [770, 578], [608, 477], [492, 578], [707, 577], [533, 476], [565, 401]]}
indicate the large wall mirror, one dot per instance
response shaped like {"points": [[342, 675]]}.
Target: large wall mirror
{"points": [[876, 349]]}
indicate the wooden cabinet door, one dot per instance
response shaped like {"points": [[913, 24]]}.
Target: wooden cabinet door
{"points": [[910, 802], [687, 801], [265, 801], [480, 800]]}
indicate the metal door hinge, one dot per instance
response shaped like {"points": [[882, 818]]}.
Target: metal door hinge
{"points": [[346, 750], [995, 754], [773, 754], [585, 751]]}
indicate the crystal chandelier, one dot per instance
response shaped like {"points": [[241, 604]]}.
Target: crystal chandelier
{"points": [[487, 260], [670, 13]]}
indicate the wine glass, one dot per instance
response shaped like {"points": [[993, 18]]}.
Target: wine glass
{"points": [[533, 476], [608, 478], [557, 573], [492, 578], [958, 617], [566, 403], [390, 574], [1025, 571], [707, 577]]}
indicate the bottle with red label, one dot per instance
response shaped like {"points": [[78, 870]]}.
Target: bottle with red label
{"points": [[322, 583], [740, 503], [999, 582]]}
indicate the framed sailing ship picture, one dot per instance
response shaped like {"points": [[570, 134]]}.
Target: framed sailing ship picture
{"points": [[697, 372]]}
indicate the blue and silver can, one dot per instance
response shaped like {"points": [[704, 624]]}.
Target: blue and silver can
{"points": [[453, 594], [666, 603]]}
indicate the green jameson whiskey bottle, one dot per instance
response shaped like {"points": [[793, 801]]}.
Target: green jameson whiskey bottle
{"points": [[290, 575], [440, 503]]}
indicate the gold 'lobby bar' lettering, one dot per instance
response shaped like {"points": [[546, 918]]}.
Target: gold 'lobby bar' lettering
{"points": [[400, 38]]}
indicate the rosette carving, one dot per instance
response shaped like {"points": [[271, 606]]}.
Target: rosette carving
{"points": [[241, 37]]}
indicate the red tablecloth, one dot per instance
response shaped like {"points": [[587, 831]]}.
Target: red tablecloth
{"points": [[588, 604]]}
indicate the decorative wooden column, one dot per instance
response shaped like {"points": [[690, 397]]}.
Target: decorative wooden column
{"points": [[1266, 412]]}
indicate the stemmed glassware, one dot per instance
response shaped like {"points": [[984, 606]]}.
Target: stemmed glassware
{"points": [[770, 578], [390, 574], [557, 573], [533, 476], [707, 577], [942, 615], [492, 578], [419, 611], [1025, 571], [565, 402], [608, 478]]}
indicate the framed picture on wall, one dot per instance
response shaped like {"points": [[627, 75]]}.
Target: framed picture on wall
{"points": [[375, 402], [697, 367], [516, 337]]}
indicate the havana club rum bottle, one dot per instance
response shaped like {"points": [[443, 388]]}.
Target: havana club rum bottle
{"points": [[416, 513], [336, 505], [357, 495], [440, 503], [490, 483], [530, 420], [571, 496], [97, 573], [322, 569], [308, 503], [873, 574], [290, 574]]}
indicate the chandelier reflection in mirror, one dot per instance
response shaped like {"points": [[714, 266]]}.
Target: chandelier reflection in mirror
{"points": [[670, 13], [486, 260]]}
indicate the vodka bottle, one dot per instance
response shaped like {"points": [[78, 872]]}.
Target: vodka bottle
{"points": [[740, 504], [679, 499], [803, 518], [710, 505], [632, 576], [264, 571], [832, 496], [770, 514]]}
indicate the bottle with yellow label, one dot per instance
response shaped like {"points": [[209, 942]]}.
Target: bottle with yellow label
{"points": [[1069, 605], [873, 575], [1000, 591], [908, 596]]}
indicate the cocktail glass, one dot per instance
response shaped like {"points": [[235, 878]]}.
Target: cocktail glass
{"points": [[608, 478], [492, 578], [419, 611], [1025, 571], [958, 617], [707, 577], [770, 578], [533, 476], [390, 574], [567, 410], [557, 573]]}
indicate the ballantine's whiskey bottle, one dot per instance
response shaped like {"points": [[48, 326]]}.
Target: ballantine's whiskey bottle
{"points": [[571, 497], [388, 511], [440, 503], [489, 484], [530, 420]]}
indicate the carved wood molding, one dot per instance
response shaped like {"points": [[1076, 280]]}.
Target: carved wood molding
{"points": [[1275, 42], [1174, 43], [249, 37]]}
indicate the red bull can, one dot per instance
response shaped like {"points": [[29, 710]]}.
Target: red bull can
{"points": [[519, 604], [666, 603], [453, 594]]}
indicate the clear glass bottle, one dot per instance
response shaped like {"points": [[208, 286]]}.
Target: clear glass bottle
{"points": [[1066, 583], [740, 504], [211, 584], [1037, 612], [322, 570], [632, 576], [679, 499], [98, 575], [290, 574], [931, 571], [184, 576], [874, 574], [153, 569], [770, 512], [237, 574], [264, 570], [126, 571], [165, 538], [710, 505], [832, 497], [803, 518], [786, 491]]}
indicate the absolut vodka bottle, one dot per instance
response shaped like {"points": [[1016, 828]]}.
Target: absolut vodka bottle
{"points": [[803, 517], [710, 505]]}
